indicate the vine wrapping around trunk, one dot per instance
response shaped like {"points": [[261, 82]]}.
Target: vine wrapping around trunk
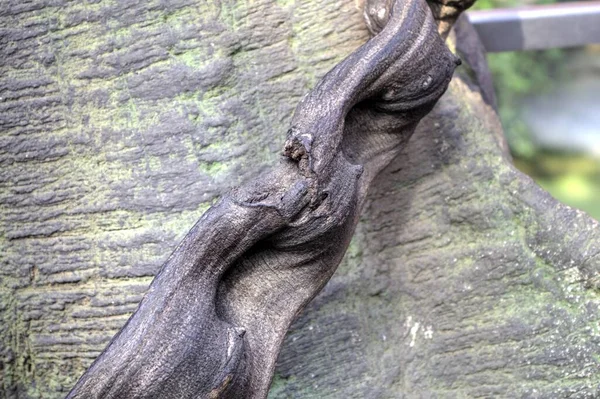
{"points": [[214, 318]]}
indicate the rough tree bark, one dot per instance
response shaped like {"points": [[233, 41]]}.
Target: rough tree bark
{"points": [[463, 279]]}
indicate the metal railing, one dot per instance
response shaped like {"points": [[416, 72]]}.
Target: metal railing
{"points": [[538, 27]]}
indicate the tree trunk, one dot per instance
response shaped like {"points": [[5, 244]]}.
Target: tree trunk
{"points": [[122, 122]]}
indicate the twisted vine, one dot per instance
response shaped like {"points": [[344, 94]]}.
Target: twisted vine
{"points": [[214, 318]]}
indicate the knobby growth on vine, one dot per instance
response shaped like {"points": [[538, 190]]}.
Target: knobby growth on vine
{"points": [[214, 318]]}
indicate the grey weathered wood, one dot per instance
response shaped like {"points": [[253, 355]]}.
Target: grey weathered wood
{"points": [[91, 211]]}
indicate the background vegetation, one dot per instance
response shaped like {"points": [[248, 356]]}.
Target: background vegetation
{"points": [[571, 177]]}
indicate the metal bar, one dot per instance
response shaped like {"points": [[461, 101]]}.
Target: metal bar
{"points": [[538, 27]]}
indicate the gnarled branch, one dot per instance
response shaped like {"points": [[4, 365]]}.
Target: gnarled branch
{"points": [[215, 316]]}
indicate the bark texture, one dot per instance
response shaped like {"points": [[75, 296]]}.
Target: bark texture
{"points": [[122, 122]]}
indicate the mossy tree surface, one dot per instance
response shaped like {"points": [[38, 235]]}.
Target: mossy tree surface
{"points": [[122, 122]]}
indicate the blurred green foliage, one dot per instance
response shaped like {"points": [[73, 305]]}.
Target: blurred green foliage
{"points": [[518, 75], [572, 178]]}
